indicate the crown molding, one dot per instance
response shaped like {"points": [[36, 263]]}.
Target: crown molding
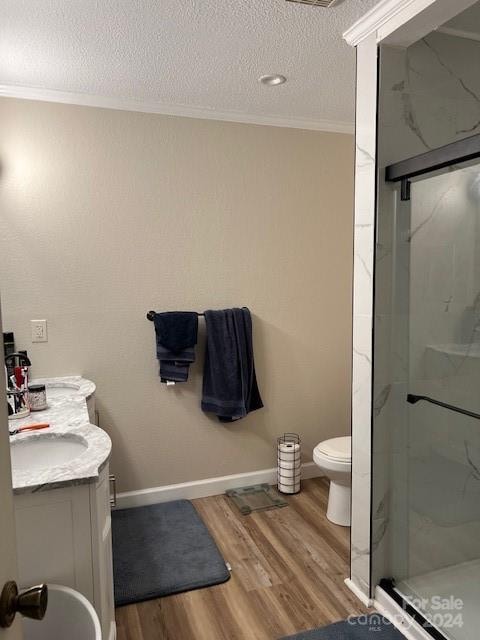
{"points": [[381, 13], [126, 104], [403, 22]]}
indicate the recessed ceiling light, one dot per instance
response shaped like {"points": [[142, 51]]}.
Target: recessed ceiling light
{"points": [[273, 80]]}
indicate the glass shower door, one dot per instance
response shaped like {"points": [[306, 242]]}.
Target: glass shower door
{"points": [[441, 576]]}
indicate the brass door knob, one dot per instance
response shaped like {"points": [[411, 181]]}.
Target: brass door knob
{"points": [[31, 603]]}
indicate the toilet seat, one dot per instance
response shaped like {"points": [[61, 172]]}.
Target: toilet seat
{"points": [[336, 449]]}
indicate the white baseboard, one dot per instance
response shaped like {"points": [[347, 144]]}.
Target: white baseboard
{"points": [[388, 608], [368, 602], [207, 487]]}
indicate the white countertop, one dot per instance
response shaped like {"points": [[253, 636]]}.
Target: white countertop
{"points": [[67, 414]]}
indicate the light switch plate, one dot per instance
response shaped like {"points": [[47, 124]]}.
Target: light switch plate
{"points": [[39, 330]]}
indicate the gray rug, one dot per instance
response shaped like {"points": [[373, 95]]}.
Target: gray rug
{"points": [[162, 549], [368, 627]]}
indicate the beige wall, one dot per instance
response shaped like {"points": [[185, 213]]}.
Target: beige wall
{"points": [[106, 214]]}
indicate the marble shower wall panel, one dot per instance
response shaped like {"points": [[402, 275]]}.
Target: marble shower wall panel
{"points": [[443, 288], [430, 95], [443, 81], [444, 494], [382, 388], [363, 312]]}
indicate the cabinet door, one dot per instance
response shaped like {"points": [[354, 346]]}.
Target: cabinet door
{"points": [[54, 538]]}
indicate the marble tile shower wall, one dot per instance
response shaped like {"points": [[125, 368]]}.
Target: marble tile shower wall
{"points": [[363, 312], [429, 95]]}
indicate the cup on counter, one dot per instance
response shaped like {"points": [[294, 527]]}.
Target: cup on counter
{"points": [[18, 403]]}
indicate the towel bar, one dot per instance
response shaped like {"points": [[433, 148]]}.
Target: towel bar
{"points": [[151, 315], [413, 399]]}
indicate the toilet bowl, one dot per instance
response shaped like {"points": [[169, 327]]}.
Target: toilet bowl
{"points": [[334, 457]]}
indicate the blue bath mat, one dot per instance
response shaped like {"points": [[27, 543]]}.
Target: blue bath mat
{"points": [[162, 549], [369, 627]]}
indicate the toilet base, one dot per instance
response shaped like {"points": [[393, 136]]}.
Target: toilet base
{"points": [[338, 510]]}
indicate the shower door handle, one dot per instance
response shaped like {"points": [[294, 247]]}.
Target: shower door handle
{"points": [[413, 399]]}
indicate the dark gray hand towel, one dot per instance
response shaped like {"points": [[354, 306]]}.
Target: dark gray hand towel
{"points": [[230, 388], [176, 330], [176, 335], [173, 371]]}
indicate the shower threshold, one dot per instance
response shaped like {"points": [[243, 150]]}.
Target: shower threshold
{"points": [[449, 598]]}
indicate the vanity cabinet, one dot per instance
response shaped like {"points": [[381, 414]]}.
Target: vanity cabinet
{"points": [[64, 537]]}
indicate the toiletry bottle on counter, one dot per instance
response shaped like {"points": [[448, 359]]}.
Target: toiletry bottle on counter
{"points": [[17, 385], [8, 349], [37, 396]]}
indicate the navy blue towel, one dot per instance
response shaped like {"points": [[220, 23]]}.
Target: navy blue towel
{"points": [[230, 388], [176, 334]]}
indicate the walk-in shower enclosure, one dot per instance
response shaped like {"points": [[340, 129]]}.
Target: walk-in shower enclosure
{"points": [[426, 366], [420, 163]]}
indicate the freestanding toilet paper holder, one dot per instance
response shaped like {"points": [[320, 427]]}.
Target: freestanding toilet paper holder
{"points": [[289, 467]]}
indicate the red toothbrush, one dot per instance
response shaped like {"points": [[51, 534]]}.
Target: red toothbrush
{"points": [[30, 427]]}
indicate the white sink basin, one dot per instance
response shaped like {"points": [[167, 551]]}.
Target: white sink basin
{"points": [[41, 452], [66, 388], [62, 389], [69, 616]]}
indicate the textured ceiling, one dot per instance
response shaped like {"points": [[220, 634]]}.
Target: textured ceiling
{"points": [[205, 54]]}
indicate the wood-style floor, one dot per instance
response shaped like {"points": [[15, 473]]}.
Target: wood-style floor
{"points": [[288, 566]]}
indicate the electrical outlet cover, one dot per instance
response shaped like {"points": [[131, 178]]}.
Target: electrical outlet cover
{"points": [[39, 330]]}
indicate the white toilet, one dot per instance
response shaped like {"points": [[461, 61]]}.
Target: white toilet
{"points": [[334, 457]]}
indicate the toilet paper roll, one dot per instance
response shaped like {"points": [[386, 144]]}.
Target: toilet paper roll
{"points": [[288, 447], [289, 488], [289, 456], [289, 485], [288, 466]]}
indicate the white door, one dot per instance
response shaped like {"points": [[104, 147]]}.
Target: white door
{"points": [[8, 549]]}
